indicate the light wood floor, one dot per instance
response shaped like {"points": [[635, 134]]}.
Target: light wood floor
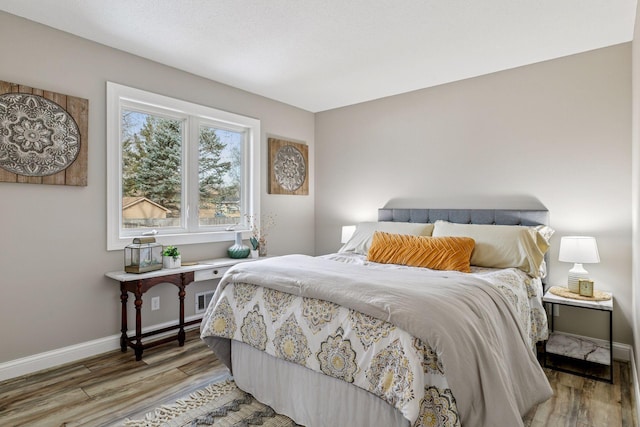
{"points": [[583, 402], [104, 390]]}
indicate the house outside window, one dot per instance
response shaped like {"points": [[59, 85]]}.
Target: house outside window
{"points": [[181, 171]]}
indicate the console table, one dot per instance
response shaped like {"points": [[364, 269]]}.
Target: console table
{"points": [[138, 284]]}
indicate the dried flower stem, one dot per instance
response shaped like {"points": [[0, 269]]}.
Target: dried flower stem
{"points": [[260, 229]]}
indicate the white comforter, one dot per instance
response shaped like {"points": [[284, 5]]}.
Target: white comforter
{"points": [[472, 327]]}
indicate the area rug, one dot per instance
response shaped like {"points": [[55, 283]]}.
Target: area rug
{"points": [[221, 404]]}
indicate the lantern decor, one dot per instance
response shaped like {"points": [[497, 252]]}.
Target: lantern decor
{"points": [[143, 255]]}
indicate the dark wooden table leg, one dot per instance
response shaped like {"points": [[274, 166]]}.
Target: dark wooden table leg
{"points": [[138, 346], [124, 296], [181, 334]]}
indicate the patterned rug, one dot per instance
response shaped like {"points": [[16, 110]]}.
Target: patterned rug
{"points": [[221, 404]]}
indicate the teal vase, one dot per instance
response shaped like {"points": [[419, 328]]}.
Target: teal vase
{"points": [[238, 250]]}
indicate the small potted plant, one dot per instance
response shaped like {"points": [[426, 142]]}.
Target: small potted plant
{"points": [[255, 245], [171, 257]]}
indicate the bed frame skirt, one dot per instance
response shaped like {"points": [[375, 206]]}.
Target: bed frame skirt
{"points": [[306, 396]]}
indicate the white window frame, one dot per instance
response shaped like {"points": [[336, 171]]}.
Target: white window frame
{"points": [[121, 97]]}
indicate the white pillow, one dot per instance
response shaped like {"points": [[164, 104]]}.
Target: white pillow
{"points": [[501, 246], [361, 239]]}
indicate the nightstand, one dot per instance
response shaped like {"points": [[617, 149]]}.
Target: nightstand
{"points": [[571, 346]]}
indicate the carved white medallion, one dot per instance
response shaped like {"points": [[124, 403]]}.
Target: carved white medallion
{"points": [[37, 136], [289, 168]]}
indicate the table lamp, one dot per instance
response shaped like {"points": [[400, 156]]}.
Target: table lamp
{"points": [[579, 250]]}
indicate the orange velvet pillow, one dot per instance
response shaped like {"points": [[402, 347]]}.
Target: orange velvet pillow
{"points": [[437, 253]]}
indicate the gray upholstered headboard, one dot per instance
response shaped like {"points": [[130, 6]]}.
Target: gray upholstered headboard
{"points": [[470, 216], [467, 216]]}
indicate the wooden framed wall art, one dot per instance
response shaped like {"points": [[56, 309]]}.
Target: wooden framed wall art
{"points": [[288, 167], [43, 136]]}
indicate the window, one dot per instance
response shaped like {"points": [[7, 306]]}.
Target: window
{"points": [[184, 171]]}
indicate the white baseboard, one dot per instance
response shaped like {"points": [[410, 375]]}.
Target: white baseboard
{"points": [[49, 359]]}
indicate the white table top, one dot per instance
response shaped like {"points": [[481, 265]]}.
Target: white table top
{"points": [[122, 276], [599, 305]]}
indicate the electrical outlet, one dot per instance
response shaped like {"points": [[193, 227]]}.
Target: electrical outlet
{"points": [[155, 303]]}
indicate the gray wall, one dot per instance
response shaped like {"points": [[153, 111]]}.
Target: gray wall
{"points": [[558, 131], [54, 256]]}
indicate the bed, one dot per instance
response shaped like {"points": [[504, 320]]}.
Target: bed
{"points": [[427, 317]]}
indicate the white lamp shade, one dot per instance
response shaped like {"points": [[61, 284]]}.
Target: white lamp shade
{"points": [[347, 232], [579, 249]]}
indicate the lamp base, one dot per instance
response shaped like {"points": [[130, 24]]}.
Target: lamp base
{"points": [[575, 274]]}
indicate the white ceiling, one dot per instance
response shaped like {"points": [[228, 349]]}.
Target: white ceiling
{"points": [[323, 54]]}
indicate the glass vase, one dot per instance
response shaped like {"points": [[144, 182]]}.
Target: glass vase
{"points": [[238, 249]]}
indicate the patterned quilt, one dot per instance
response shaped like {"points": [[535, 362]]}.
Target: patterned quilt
{"points": [[366, 351]]}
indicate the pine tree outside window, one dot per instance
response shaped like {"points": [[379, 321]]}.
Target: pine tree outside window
{"points": [[185, 171]]}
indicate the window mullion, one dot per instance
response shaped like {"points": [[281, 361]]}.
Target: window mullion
{"points": [[191, 172]]}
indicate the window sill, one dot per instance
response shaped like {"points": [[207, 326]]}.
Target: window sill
{"points": [[181, 238]]}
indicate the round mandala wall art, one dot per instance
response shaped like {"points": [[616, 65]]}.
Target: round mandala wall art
{"points": [[288, 163], [37, 136], [289, 168]]}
